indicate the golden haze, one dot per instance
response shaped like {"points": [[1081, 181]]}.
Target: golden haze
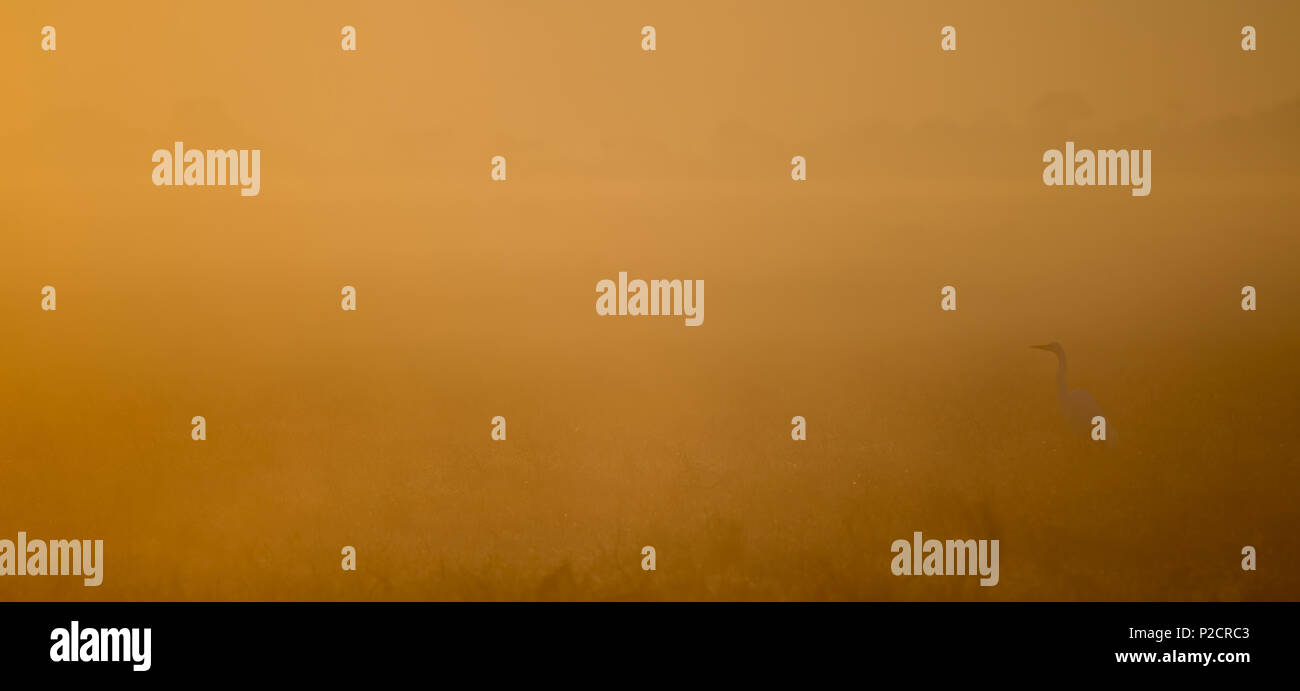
{"points": [[475, 298]]}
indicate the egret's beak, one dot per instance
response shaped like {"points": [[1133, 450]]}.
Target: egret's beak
{"points": [[1042, 347]]}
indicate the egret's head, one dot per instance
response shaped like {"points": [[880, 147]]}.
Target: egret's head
{"points": [[1051, 347]]}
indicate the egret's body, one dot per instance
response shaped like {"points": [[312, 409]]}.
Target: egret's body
{"points": [[1078, 407]]}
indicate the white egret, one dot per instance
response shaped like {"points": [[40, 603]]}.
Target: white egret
{"points": [[1078, 407]]}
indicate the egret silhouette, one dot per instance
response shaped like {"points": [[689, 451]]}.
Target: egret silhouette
{"points": [[1078, 407]]}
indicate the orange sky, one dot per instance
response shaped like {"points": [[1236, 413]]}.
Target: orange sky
{"points": [[476, 298]]}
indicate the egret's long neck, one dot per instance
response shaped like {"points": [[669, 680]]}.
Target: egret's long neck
{"points": [[1060, 373]]}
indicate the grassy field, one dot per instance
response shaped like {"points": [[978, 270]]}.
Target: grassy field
{"points": [[372, 428]]}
